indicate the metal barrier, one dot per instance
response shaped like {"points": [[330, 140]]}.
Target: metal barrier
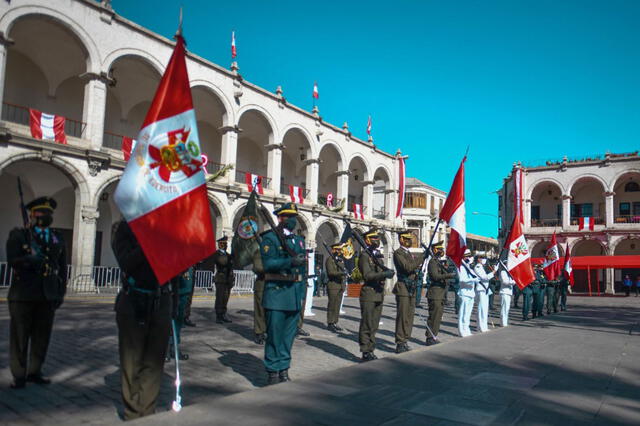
{"points": [[107, 279]]}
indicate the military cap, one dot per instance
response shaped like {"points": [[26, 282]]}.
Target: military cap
{"points": [[481, 254], [467, 253], [287, 209], [438, 245], [336, 245], [42, 204], [405, 234], [372, 233], [223, 239]]}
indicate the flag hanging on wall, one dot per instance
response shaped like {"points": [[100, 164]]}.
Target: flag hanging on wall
{"points": [[453, 212], [162, 193], [358, 212], [254, 182], [586, 223], [400, 186], [296, 193], [47, 126]]}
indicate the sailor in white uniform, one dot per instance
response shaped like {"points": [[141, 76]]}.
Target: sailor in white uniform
{"points": [[506, 291], [467, 293], [482, 290]]}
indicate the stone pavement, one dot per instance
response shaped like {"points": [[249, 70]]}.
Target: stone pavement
{"points": [[575, 367]]}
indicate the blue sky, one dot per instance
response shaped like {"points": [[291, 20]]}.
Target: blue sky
{"points": [[515, 80]]}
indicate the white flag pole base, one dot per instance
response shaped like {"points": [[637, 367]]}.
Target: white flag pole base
{"points": [[176, 406]]}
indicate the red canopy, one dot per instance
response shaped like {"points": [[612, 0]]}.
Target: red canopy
{"points": [[599, 262]]}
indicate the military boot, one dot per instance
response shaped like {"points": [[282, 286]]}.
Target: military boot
{"points": [[368, 356], [225, 318], [283, 376], [333, 328], [219, 319], [272, 377], [431, 341], [259, 339], [302, 333]]}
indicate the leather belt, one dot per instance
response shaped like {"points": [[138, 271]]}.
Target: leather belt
{"points": [[282, 277]]}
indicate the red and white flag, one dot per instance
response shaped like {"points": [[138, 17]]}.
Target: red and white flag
{"points": [[330, 200], [128, 145], [47, 126], [519, 259], [297, 194], [162, 193], [400, 187], [369, 126], [316, 95], [517, 193], [586, 222], [254, 182], [234, 52], [551, 263], [358, 212], [453, 212], [568, 269]]}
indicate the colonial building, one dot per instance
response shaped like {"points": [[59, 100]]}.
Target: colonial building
{"points": [[82, 61], [564, 196]]}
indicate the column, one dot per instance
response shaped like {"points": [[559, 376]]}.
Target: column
{"points": [[526, 207], [610, 279], [343, 187], [367, 198], [608, 208], [274, 165], [4, 43], [84, 242], [389, 204], [313, 170], [228, 151], [566, 212], [94, 108]]}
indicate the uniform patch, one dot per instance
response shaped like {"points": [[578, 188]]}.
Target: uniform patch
{"points": [[265, 248]]}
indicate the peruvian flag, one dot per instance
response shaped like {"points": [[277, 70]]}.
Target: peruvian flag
{"points": [[358, 213], [369, 126], [330, 200], [551, 263], [586, 222], [316, 95], [517, 190], [128, 145], [401, 187], [519, 258], [568, 269], [296, 193], [453, 212], [254, 182], [162, 193], [234, 52], [47, 126]]}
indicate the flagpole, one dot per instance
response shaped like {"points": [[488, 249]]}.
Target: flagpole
{"points": [[177, 403]]}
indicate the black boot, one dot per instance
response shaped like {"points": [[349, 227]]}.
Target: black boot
{"points": [[302, 333], [272, 377], [18, 383], [368, 356], [182, 356], [283, 376], [225, 318], [259, 339], [189, 323], [219, 319], [332, 328], [38, 379], [431, 341]]}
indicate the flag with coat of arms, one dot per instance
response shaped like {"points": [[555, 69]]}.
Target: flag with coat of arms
{"points": [[551, 265], [162, 193], [519, 255]]}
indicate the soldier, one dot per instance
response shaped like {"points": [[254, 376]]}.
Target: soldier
{"points": [[259, 321], [337, 278], [223, 279], [507, 284], [38, 258], [187, 309], [485, 273], [468, 280], [408, 266], [284, 290], [538, 288], [143, 315], [371, 295], [439, 276], [563, 290], [527, 296], [551, 296]]}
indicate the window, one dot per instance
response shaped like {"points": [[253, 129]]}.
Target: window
{"points": [[433, 205], [625, 209], [631, 187], [535, 212], [559, 211], [636, 207], [415, 201], [582, 210]]}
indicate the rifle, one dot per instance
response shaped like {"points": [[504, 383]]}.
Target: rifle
{"points": [[23, 210], [266, 215], [326, 247], [366, 248]]}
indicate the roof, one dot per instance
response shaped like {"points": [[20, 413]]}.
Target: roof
{"points": [[488, 240], [411, 181]]}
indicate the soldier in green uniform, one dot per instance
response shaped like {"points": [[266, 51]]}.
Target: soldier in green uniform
{"points": [[259, 321], [438, 278], [563, 289], [551, 296], [37, 255], [336, 273], [537, 289], [183, 285], [143, 314], [284, 290], [371, 295], [223, 279], [408, 266]]}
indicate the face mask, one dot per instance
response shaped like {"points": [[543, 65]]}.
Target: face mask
{"points": [[375, 244], [467, 260], [290, 223], [44, 221]]}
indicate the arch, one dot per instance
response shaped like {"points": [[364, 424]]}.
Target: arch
{"points": [[587, 176], [295, 127], [257, 132], [341, 155], [540, 248], [103, 185], [546, 203], [124, 52], [614, 180], [211, 115], [228, 117], [332, 224], [367, 166], [589, 246], [587, 198], [265, 114], [294, 170], [224, 214], [552, 181], [385, 170], [305, 226], [628, 245], [8, 21]]}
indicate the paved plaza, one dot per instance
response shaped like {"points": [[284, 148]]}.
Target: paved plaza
{"points": [[575, 367]]}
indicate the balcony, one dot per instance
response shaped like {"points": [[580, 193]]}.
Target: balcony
{"points": [[284, 190], [241, 178], [380, 213], [20, 114], [635, 218], [575, 220], [538, 223]]}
